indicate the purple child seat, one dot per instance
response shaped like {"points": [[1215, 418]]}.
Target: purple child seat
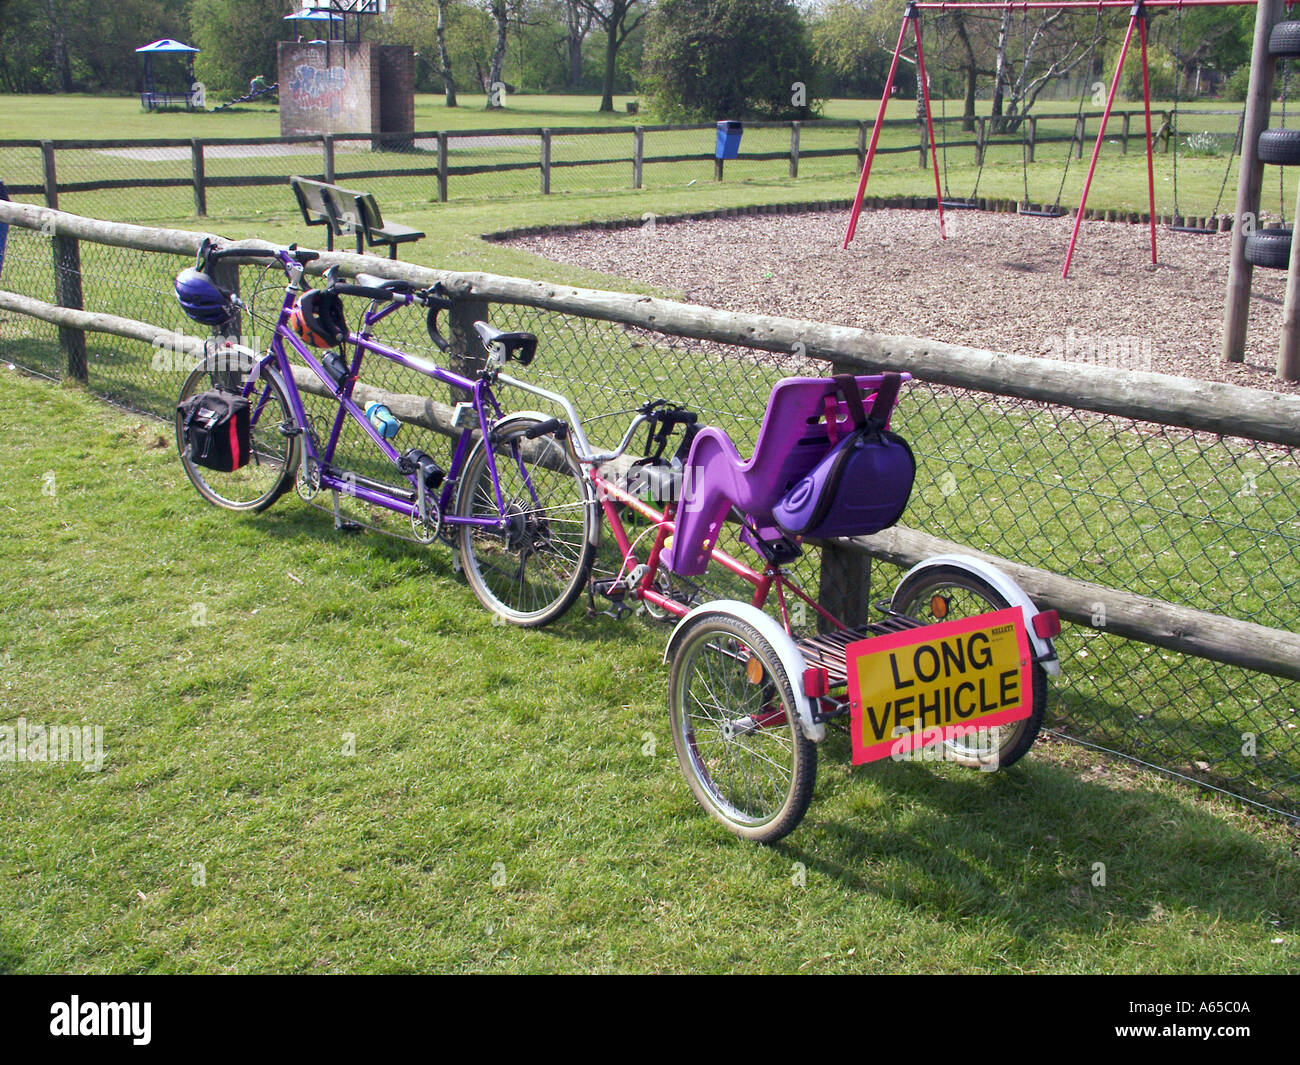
{"points": [[791, 441]]}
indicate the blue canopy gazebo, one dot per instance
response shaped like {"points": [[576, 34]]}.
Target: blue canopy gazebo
{"points": [[152, 97]]}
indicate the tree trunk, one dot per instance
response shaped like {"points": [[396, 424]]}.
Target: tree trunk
{"points": [[575, 62], [1000, 72], [449, 83], [499, 13], [972, 72], [59, 48], [607, 82]]}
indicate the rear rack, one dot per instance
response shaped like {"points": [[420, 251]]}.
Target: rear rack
{"points": [[829, 651]]}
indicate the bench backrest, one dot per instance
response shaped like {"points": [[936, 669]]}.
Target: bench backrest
{"points": [[343, 203], [311, 199]]}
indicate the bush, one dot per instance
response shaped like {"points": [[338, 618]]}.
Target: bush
{"points": [[1236, 85], [711, 59]]}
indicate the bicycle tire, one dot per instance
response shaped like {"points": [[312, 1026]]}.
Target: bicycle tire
{"points": [[914, 597], [529, 573], [738, 740], [273, 458]]}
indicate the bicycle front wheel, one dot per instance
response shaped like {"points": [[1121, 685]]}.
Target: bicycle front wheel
{"points": [[530, 571], [732, 714], [947, 593], [273, 455]]}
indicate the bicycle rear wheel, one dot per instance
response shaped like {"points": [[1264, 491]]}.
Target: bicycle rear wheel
{"points": [[947, 593], [531, 571], [731, 710], [273, 455]]}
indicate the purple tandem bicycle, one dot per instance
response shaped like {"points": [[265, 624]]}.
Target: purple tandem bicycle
{"points": [[512, 501]]}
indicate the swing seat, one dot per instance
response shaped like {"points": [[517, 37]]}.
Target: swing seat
{"points": [[1043, 212], [960, 205], [791, 441], [1190, 229]]}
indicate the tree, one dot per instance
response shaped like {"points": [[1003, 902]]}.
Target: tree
{"points": [[499, 10], [852, 41], [612, 17], [577, 24], [239, 41], [708, 59], [448, 80]]}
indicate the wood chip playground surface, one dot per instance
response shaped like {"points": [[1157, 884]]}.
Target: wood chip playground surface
{"points": [[995, 283]]}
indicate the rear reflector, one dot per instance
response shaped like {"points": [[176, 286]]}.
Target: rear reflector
{"points": [[1047, 625], [816, 682]]}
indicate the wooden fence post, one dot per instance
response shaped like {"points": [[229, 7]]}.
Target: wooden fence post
{"points": [[1080, 132], [327, 158], [1250, 179], [862, 145], [844, 577], [49, 175], [67, 271], [794, 149], [467, 356], [922, 146], [196, 167], [226, 274], [546, 162], [1123, 135], [717, 169], [638, 155], [442, 167], [981, 133], [67, 293], [1033, 138]]}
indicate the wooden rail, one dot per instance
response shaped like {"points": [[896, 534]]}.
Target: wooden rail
{"points": [[1196, 405]]}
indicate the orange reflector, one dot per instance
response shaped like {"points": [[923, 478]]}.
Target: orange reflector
{"points": [[1047, 625], [754, 671], [816, 682], [938, 606]]}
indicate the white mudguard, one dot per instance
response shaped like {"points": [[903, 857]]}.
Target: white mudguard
{"points": [[782, 643], [1013, 593]]}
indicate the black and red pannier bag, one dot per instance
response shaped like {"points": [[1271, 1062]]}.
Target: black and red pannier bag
{"points": [[216, 430]]}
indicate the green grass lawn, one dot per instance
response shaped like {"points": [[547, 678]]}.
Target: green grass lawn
{"points": [[346, 766], [475, 746]]}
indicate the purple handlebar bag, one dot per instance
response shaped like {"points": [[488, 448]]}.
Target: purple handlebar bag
{"points": [[863, 483]]}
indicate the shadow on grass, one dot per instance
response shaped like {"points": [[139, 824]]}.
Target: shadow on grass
{"points": [[1027, 846]]}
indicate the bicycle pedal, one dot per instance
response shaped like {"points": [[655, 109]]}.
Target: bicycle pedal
{"points": [[614, 590]]}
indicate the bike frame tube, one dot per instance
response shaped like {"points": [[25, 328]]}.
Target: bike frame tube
{"points": [[483, 399], [771, 577]]}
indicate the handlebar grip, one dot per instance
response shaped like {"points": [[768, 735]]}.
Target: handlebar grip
{"points": [[551, 425], [369, 291]]}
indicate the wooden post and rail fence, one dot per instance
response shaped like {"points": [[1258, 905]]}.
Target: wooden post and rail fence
{"points": [[1203, 407]]}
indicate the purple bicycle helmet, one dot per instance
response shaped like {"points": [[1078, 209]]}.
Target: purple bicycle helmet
{"points": [[201, 298]]}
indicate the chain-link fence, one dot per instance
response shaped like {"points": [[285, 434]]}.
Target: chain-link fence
{"points": [[1123, 505]]}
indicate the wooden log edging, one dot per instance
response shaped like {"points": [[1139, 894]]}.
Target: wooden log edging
{"points": [[1206, 406]]}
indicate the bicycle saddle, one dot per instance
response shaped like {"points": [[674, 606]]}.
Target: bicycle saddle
{"points": [[518, 346]]}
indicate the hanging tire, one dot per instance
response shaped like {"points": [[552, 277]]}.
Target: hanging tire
{"points": [[1280, 147], [1284, 41], [1269, 247]]}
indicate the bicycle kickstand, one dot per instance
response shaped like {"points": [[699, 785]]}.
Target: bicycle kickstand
{"points": [[340, 523]]}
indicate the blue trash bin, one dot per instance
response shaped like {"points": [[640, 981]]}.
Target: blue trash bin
{"points": [[728, 146]]}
